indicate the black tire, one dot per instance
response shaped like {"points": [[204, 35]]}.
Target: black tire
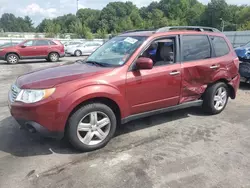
{"points": [[78, 53], [12, 58], [76, 117], [208, 98], [47, 59], [53, 57]]}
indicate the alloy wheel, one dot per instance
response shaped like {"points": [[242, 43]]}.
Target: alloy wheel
{"points": [[12, 59], [220, 98], [93, 128]]}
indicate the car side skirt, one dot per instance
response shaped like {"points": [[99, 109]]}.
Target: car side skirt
{"points": [[162, 110]]}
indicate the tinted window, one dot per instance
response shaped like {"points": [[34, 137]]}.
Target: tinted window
{"points": [[220, 46], [42, 43], [196, 47]]}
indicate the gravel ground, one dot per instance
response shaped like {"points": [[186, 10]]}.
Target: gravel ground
{"points": [[184, 148]]}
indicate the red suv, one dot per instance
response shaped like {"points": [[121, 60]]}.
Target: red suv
{"points": [[149, 72], [51, 50]]}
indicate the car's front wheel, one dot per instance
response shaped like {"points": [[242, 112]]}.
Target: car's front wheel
{"points": [[91, 127], [12, 59], [215, 98], [53, 57]]}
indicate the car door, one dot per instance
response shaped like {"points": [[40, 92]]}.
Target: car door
{"points": [[26, 49], [41, 48], [158, 87], [198, 66]]}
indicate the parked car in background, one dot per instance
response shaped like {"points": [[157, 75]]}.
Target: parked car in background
{"points": [[122, 81], [243, 52], [8, 44], [51, 50], [83, 49]]}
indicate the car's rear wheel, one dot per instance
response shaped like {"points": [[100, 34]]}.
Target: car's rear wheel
{"points": [[78, 53], [12, 59], [91, 127], [215, 98], [53, 57]]}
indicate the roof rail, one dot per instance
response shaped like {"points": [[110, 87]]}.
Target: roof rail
{"points": [[138, 30], [195, 28]]}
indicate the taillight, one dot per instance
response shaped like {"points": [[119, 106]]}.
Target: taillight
{"points": [[237, 62]]}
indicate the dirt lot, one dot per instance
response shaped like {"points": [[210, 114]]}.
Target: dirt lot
{"points": [[180, 149]]}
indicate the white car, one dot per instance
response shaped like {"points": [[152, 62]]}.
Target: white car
{"points": [[83, 49]]}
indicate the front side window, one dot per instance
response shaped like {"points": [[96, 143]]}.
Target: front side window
{"points": [[162, 51], [116, 51], [195, 47], [28, 43]]}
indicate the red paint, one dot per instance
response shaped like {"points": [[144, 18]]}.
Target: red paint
{"points": [[144, 63], [133, 91], [33, 51]]}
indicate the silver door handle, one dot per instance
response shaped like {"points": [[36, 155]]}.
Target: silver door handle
{"points": [[174, 73], [214, 67]]}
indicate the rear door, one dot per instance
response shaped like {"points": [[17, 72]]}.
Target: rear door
{"points": [[199, 67], [41, 48]]}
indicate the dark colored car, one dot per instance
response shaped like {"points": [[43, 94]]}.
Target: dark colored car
{"points": [[243, 52], [51, 50], [8, 44], [85, 101]]}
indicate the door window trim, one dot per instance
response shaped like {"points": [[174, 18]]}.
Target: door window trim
{"points": [[181, 48], [177, 56]]}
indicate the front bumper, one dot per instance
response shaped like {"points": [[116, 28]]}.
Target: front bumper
{"points": [[62, 55], [34, 127], [43, 117], [2, 57]]}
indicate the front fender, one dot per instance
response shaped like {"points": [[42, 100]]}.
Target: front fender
{"points": [[94, 91]]}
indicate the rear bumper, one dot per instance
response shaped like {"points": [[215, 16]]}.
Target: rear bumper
{"points": [[2, 57], [34, 127]]}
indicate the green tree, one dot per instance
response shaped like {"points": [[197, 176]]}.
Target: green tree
{"points": [[81, 30]]}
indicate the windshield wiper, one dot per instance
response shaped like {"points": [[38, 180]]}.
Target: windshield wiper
{"points": [[97, 63]]}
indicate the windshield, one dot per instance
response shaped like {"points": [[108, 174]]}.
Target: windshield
{"points": [[116, 51]]}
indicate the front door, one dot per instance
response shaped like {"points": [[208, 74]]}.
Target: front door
{"points": [[158, 87], [27, 49]]}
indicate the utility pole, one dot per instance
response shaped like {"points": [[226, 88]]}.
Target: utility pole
{"points": [[222, 24], [77, 5]]}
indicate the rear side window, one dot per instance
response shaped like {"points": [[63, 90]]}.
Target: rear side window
{"points": [[195, 47], [220, 46]]}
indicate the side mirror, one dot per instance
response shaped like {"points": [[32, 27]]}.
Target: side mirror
{"points": [[22, 46], [144, 63]]}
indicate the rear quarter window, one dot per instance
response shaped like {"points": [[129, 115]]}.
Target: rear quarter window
{"points": [[220, 45]]}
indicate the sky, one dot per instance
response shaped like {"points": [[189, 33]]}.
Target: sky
{"points": [[40, 9]]}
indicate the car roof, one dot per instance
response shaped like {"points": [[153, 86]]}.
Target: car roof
{"points": [[172, 32]]}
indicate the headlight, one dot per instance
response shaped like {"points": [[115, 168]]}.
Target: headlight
{"points": [[32, 96]]}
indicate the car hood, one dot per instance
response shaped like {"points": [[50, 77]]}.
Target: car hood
{"points": [[49, 77]]}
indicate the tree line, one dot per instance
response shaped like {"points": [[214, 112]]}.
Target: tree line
{"points": [[117, 17]]}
